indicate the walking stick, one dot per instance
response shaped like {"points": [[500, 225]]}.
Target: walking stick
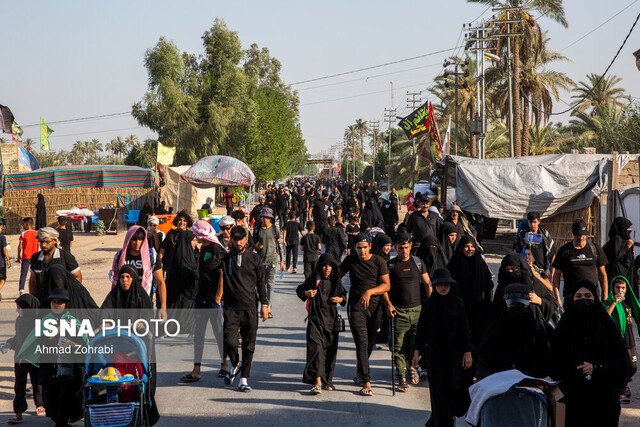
{"points": [[393, 350]]}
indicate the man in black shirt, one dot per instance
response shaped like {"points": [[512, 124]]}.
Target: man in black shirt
{"points": [[310, 245], [418, 225], [282, 206], [407, 274], [543, 252], [255, 212], [579, 259], [302, 206], [291, 237], [65, 239], [334, 240], [321, 212], [369, 278], [49, 254], [244, 286]]}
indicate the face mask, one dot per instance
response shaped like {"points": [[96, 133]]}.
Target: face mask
{"points": [[517, 311], [513, 275], [584, 305]]}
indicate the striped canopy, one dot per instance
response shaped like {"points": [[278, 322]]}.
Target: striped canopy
{"points": [[218, 170], [81, 177]]}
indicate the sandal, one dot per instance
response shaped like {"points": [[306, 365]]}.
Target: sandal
{"points": [[188, 378], [366, 391], [222, 373], [244, 387], [231, 375], [402, 385], [15, 420], [328, 387], [316, 390], [40, 411], [413, 375]]}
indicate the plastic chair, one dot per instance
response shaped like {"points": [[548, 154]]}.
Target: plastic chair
{"points": [[131, 217], [203, 213]]}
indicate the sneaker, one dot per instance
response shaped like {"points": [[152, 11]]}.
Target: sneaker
{"points": [[231, 376], [244, 388]]}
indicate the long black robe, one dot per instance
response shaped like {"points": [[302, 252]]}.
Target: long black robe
{"points": [[431, 253], [448, 247], [589, 337], [371, 216], [543, 312], [619, 255], [443, 336], [144, 214], [131, 305], [334, 241], [322, 341], [390, 217], [475, 287], [80, 300], [41, 212], [514, 342], [182, 281]]}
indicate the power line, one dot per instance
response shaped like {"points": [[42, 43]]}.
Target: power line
{"points": [[53, 135], [595, 84], [599, 26], [356, 96], [373, 66], [80, 119]]}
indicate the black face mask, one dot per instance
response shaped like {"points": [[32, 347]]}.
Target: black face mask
{"points": [[585, 305], [517, 311], [514, 276]]}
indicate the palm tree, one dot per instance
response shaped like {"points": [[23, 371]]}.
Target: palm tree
{"points": [[603, 129], [526, 46], [352, 135], [363, 129], [599, 92], [539, 86], [117, 146], [131, 141], [29, 143]]}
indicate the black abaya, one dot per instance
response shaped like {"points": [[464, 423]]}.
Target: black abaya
{"points": [[620, 256], [322, 340], [589, 335], [475, 287], [182, 281], [41, 212], [443, 336]]}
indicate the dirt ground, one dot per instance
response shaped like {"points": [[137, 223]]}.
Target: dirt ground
{"points": [[95, 255]]}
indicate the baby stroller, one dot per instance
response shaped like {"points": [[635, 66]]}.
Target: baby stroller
{"points": [[520, 406], [116, 392]]}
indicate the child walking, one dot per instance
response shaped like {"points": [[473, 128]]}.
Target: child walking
{"points": [[310, 245], [26, 248]]}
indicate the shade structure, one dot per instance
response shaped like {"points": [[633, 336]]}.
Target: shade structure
{"points": [[218, 170]]}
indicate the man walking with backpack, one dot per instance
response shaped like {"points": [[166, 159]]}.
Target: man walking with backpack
{"points": [[268, 246], [407, 274]]}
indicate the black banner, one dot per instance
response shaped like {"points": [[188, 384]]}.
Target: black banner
{"points": [[416, 123]]}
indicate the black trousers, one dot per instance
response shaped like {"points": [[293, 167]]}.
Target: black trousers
{"points": [[20, 400], [229, 210], [292, 252], [282, 218], [320, 227], [322, 349], [364, 324], [247, 322], [309, 267]]}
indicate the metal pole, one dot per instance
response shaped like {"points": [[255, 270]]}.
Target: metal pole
{"points": [[484, 101], [478, 103], [509, 77], [455, 85]]}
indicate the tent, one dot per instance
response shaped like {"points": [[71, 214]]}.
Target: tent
{"points": [[219, 170], [188, 196]]}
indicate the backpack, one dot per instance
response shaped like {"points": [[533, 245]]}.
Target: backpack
{"points": [[392, 263]]}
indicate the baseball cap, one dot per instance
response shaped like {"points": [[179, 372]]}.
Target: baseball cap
{"points": [[238, 232], [579, 228], [516, 293]]}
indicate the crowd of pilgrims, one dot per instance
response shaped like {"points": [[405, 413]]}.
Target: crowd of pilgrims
{"points": [[450, 322]]}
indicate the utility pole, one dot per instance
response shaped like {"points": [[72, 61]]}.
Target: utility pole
{"points": [[455, 74], [412, 104], [390, 118], [375, 127]]}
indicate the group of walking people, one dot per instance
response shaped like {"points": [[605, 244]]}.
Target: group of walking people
{"points": [[565, 313]]}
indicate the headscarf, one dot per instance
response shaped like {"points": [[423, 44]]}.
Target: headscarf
{"points": [[618, 315], [372, 215], [619, 228], [379, 242], [121, 256], [135, 298], [48, 233], [436, 211], [144, 214], [523, 274], [447, 246], [80, 300], [183, 273], [460, 265]]}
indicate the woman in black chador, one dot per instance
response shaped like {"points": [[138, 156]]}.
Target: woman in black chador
{"points": [[322, 292], [589, 359], [619, 252], [444, 342], [469, 269], [182, 280]]}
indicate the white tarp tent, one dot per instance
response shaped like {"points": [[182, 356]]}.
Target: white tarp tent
{"points": [[549, 184], [191, 198]]}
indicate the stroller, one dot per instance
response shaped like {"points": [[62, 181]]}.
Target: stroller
{"points": [[520, 406], [117, 390]]}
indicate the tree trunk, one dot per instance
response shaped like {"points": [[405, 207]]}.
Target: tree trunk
{"points": [[517, 109], [525, 129], [473, 139], [413, 163]]}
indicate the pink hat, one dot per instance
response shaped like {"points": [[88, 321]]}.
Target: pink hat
{"points": [[204, 231]]}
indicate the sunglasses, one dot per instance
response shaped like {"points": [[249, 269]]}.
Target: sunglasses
{"points": [[226, 228]]}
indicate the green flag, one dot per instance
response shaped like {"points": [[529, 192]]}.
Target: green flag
{"points": [[16, 132], [45, 131]]}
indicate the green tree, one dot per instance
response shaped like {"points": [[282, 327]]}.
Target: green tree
{"points": [[599, 92], [131, 141], [143, 155], [363, 130], [29, 144]]}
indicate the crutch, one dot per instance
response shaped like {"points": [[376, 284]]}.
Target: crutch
{"points": [[393, 350]]}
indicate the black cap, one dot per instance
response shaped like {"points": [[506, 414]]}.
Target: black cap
{"points": [[579, 228], [362, 237], [442, 275], [238, 232], [325, 193], [516, 293], [59, 293]]}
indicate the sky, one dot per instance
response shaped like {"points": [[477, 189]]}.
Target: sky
{"points": [[68, 60]]}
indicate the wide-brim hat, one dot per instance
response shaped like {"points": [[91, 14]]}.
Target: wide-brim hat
{"points": [[442, 275], [59, 293], [266, 213]]}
